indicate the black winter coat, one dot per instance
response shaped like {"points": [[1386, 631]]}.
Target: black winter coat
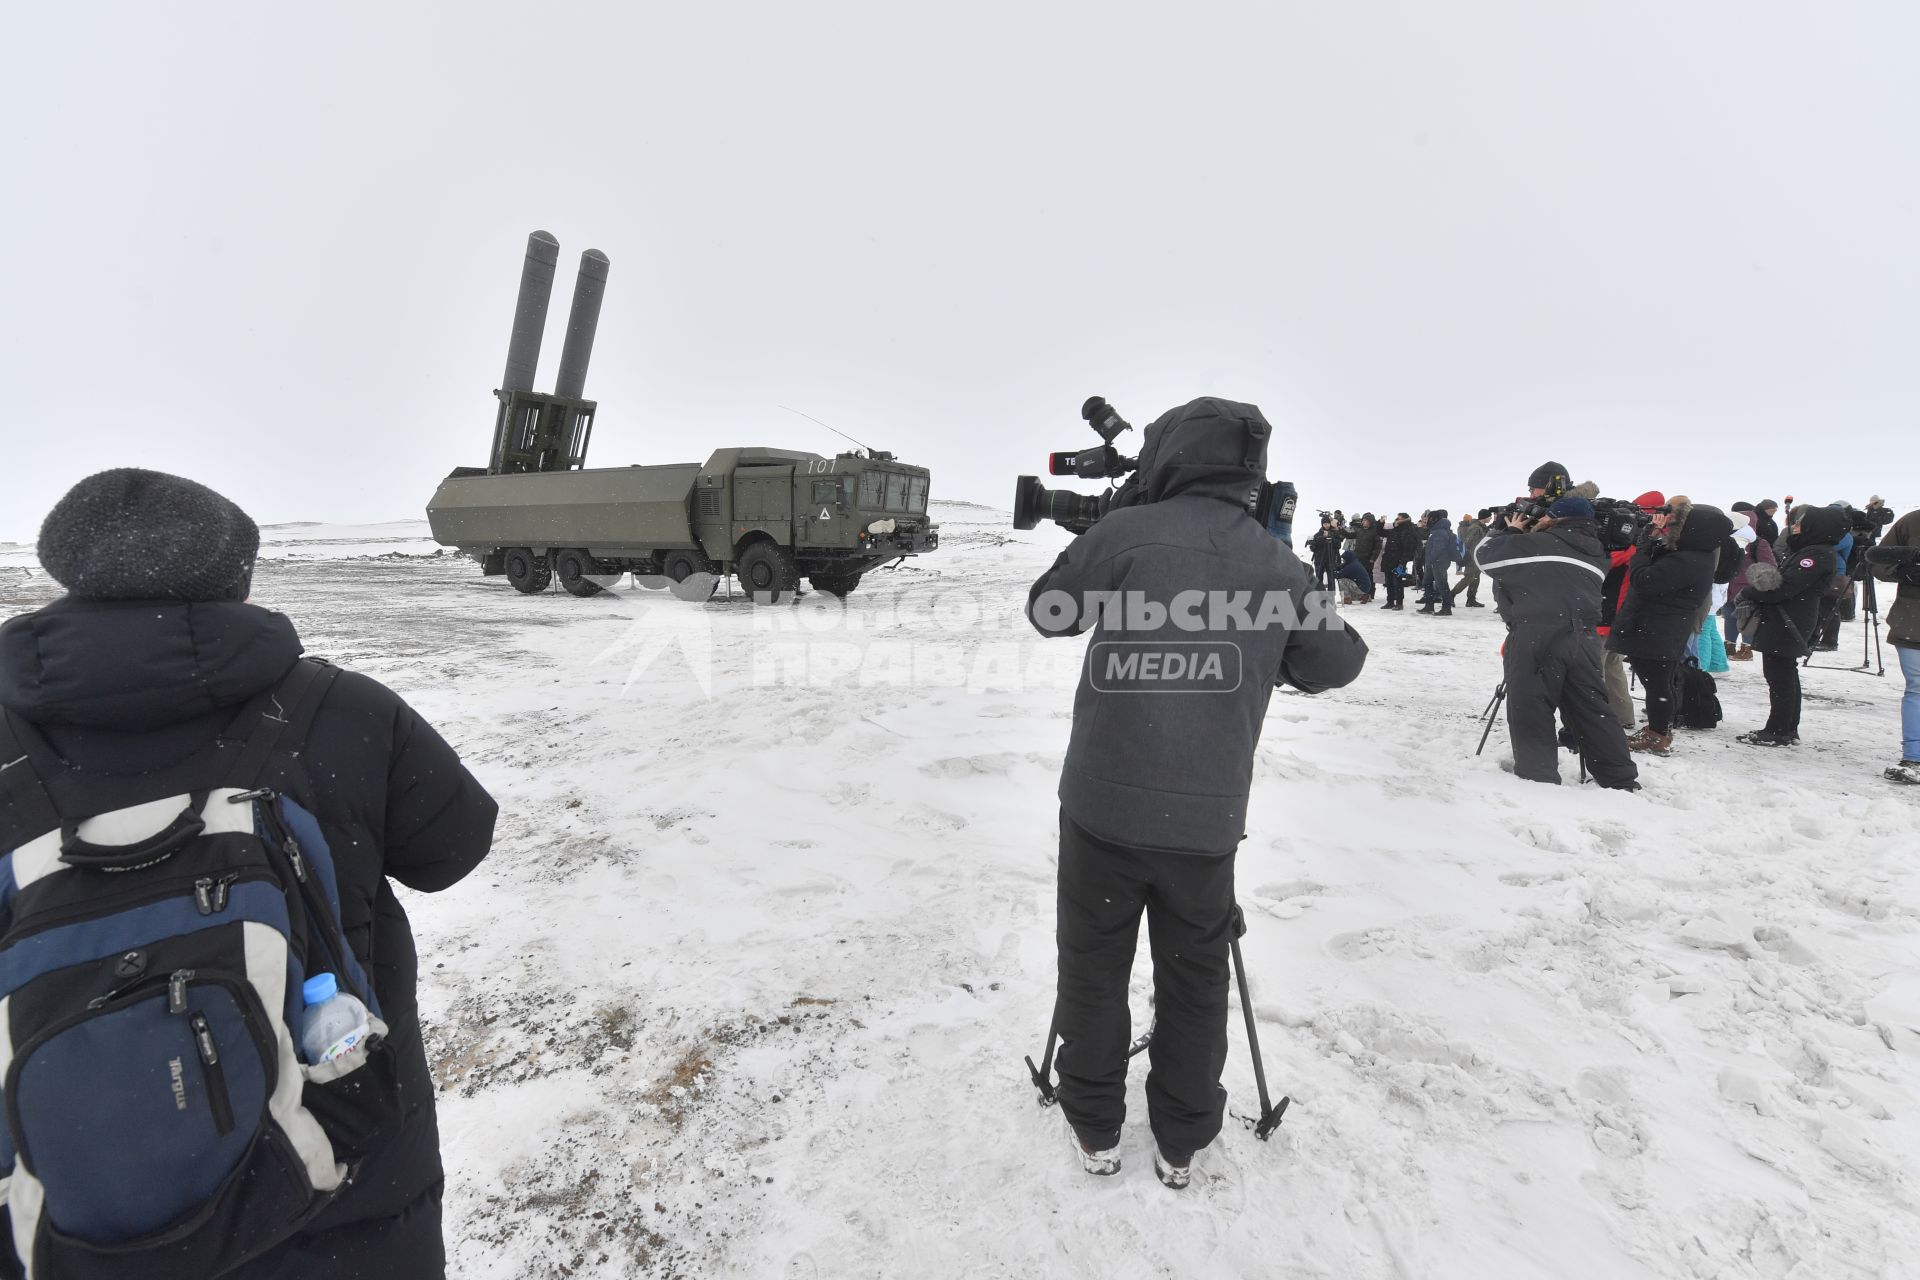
{"points": [[1780, 609], [121, 689], [1366, 542], [1401, 544], [1668, 588], [1551, 578]]}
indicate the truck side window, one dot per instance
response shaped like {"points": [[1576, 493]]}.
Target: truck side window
{"points": [[917, 495], [896, 491], [871, 484], [826, 490]]}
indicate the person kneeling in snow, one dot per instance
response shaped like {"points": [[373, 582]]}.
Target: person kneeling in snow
{"points": [[1153, 794], [1546, 585]]}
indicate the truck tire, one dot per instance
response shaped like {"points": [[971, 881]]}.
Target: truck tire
{"points": [[690, 576], [767, 573], [528, 572], [835, 584], [576, 571]]}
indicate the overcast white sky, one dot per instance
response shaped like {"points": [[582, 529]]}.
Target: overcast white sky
{"points": [[275, 247]]}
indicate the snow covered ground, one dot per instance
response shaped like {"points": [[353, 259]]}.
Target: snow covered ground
{"points": [[746, 983]]}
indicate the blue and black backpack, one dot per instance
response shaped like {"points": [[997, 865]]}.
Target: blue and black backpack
{"points": [[160, 1120]]}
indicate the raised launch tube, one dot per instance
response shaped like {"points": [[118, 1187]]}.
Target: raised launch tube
{"points": [[581, 324], [530, 312]]}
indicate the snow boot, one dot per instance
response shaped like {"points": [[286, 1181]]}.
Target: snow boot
{"points": [[1906, 773], [1649, 740], [1173, 1173], [1101, 1164], [1473, 604], [1770, 738], [1426, 608]]}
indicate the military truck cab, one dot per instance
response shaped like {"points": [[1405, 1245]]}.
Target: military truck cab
{"points": [[772, 516]]}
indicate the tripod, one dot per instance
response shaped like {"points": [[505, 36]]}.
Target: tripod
{"points": [[1872, 661], [1491, 714], [1270, 1114]]}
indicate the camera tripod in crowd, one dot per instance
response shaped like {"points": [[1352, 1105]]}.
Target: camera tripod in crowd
{"points": [[1872, 661], [1270, 1114], [1492, 714]]}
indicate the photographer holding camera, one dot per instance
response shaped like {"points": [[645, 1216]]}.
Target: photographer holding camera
{"points": [[1197, 615], [1897, 560], [1547, 573]]}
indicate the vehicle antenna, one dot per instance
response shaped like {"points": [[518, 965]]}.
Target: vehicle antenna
{"points": [[810, 418]]}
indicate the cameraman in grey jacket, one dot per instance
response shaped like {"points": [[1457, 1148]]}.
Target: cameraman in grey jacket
{"points": [[1197, 615]]}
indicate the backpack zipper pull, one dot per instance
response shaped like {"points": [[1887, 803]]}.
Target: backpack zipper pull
{"points": [[299, 861], [203, 895], [177, 990], [203, 1039], [221, 889]]}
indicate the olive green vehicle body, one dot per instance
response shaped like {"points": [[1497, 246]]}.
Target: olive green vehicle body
{"points": [[836, 517]]}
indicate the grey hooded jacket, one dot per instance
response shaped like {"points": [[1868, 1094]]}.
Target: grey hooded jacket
{"points": [[1159, 761]]}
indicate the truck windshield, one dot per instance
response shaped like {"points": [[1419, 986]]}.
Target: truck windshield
{"points": [[917, 495], [872, 489], [896, 491]]}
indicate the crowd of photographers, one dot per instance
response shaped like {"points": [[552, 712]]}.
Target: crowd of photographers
{"points": [[1599, 594]]}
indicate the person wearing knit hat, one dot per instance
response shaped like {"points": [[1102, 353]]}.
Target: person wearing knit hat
{"points": [[130, 534], [122, 693], [1571, 508], [1548, 481]]}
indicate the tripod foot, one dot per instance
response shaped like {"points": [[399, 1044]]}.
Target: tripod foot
{"points": [[1040, 1082], [1271, 1119]]}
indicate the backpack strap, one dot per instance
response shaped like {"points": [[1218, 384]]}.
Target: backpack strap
{"points": [[287, 711], [21, 787]]}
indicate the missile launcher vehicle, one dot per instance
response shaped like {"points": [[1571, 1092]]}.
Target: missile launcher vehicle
{"points": [[767, 516]]}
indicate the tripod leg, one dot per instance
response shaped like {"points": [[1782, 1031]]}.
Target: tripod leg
{"points": [[1270, 1116], [1493, 713], [1043, 1074]]}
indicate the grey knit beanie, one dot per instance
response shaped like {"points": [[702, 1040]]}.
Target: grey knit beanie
{"points": [[130, 534]]}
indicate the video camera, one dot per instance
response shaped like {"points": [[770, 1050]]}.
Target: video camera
{"points": [[1270, 504], [1869, 522], [1528, 509], [1076, 512], [1620, 523]]}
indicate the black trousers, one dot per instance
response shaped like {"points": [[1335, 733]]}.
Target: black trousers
{"points": [[1659, 683], [1188, 902], [1396, 584], [1558, 668], [1783, 692]]}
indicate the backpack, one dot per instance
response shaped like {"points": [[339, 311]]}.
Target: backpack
{"points": [[1699, 698], [160, 1119]]}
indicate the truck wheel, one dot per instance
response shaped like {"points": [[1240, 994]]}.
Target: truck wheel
{"points": [[576, 571], [835, 584], [767, 572], [690, 577], [528, 572]]}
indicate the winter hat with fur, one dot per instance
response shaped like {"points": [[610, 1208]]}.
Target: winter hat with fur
{"points": [[130, 534]]}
